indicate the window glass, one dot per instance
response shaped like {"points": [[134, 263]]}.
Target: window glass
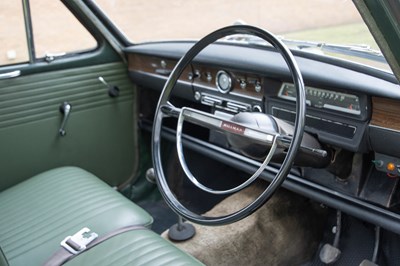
{"points": [[13, 45], [152, 20], [317, 21], [56, 30]]}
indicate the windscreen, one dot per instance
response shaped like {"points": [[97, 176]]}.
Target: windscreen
{"points": [[319, 21]]}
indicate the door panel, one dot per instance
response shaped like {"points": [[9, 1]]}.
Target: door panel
{"points": [[99, 130]]}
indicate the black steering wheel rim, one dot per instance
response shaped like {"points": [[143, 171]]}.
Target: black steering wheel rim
{"points": [[284, 170]]}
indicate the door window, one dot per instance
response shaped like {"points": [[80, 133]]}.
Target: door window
{"points": [[13, 45], [55, 30]]}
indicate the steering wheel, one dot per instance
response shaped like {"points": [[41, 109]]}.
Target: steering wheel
{"points": [[269, 138]]}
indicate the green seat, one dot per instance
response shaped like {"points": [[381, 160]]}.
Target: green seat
{"points": [[138, 247], [37, 214]]}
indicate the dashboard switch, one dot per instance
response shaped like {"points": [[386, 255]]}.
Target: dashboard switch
{"points": [[192, 76], [378, 163], [207, 100], [243, 84], [197, 96], [237, 107], [257, 86], [209, 76], [387, 164]]}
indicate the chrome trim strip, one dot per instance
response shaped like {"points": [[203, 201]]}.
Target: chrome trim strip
{"points": [[233, 93], [153, 75], [385, 128], [9, 75]]}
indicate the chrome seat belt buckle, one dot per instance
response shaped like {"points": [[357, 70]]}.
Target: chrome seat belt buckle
{"points": [[78, 242]]}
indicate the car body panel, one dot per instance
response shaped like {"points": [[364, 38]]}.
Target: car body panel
{"points": [[383, 18]]}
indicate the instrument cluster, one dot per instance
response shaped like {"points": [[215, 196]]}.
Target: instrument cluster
{"points": [[324, 99]]}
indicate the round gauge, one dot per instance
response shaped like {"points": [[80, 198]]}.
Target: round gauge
{"points": [[223, 81]]}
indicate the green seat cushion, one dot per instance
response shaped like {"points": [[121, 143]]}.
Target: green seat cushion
{"points": [[36, 215], [138, 247]]}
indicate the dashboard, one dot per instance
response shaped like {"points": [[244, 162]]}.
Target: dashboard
{"points": [[353, 112]]}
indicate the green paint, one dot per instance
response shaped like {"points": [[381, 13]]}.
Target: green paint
{"points": [[387, 24]]}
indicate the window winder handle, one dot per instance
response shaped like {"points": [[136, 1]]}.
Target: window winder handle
{"points": [[65, 109]]}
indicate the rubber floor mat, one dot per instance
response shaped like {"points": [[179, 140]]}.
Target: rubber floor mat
{"points": [[163, 216]]}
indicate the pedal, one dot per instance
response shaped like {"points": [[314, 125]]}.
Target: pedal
{"points": [[376, 249], [331, 253], [368, 263]]}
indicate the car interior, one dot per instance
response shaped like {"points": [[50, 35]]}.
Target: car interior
{"points": [[231, 149]]}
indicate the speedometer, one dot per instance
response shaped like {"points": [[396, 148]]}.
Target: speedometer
{"points": [[327, 99]]}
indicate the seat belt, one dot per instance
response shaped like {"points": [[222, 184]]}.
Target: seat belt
{"points": [[82, 241]]}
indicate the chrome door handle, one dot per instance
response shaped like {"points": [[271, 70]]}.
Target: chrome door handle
{"points": [[50, 57], [11, 74], [65, 109]]}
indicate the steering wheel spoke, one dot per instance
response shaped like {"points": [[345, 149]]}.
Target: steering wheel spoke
{"points": [[170, 110], [214, 122]]}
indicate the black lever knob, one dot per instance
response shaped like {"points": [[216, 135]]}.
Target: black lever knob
{"points": [[113, 91]]}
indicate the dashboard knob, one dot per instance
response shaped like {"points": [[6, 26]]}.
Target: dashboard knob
{"points": [[197, 96], [209, 76], [257, 86], [243, 84]]}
